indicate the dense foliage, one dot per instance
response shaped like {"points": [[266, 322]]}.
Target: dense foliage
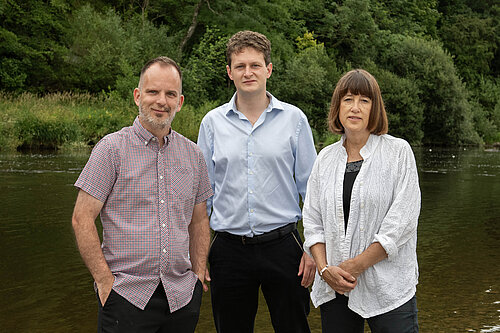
{"points": [[437, 61]]}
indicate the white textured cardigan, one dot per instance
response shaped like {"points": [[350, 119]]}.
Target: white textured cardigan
{"points": [[385, 205]]}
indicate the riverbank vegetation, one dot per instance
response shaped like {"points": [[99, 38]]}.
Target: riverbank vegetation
{"points": [[68, 68]]}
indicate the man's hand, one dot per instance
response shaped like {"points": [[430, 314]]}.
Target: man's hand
{"points": [[104, 288], [307, 269], [199, 242], [204, 277]]}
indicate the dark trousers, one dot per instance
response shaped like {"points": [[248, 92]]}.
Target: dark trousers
{"points": [[119, 315], [336, 317], [238, 270]]}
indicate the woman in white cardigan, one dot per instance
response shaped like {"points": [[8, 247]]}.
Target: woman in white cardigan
{"points": [[360, 217]]}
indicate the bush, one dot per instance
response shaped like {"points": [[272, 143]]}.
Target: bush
{"points": [[49, 122], [405, 110], [205, 75], [447, 113], [308, 82], [187, 121]]}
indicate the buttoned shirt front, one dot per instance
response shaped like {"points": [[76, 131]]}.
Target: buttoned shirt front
{"points": [[257, 171], [385, 205], [149, 194]]}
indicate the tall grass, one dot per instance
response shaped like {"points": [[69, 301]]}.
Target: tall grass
{"points": [[54, 121]]}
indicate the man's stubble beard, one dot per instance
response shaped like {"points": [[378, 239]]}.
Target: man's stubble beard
{"points": [[157, 122]]}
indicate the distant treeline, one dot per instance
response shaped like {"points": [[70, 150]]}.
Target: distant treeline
{"points": [[437, 62]]}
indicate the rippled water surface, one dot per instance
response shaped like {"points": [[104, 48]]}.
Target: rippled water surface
{"points": [[45, 287]]}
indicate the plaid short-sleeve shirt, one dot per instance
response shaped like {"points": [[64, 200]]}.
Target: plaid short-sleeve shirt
{"points": [[149, 195]]}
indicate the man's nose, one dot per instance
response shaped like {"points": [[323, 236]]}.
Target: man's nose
{"points": [[248, 71], [162, 99]]}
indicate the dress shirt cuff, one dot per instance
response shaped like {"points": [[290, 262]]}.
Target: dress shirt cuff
{"points": [[388, 244], [311, 240]]}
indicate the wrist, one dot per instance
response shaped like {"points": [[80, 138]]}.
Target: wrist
{"points": [[105, 279], [322, 270]]}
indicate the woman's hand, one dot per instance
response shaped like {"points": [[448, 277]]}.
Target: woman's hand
{"points": [[338, 279], [351, 266], [369, 257]]}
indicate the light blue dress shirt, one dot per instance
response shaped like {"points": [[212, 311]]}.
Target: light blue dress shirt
{"points": [[257, 172]]}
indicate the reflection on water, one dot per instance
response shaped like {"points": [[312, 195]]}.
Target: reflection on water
{"points": [[45, 286]]}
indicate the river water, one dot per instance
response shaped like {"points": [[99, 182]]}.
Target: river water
{"points": [[45, 287]]}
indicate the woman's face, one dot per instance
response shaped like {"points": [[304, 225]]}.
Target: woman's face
{"points": [[355, 113]]}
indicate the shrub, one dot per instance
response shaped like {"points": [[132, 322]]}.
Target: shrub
{"points": [[447, 113], [308, 82], [187, 121]]}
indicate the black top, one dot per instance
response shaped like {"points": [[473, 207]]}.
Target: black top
{"points": [[351, 172]]}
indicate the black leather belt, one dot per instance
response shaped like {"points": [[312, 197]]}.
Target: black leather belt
{"points": [[265, 237]]}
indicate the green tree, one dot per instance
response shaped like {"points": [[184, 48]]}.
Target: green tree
{"points": [[473, 42], [405, 110], [308, 81], [205, 75], [408, 17], [31, 46], [447, 114]]}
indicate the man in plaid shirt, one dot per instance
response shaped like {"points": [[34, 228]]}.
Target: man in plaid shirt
{"points": [[150, 185]]}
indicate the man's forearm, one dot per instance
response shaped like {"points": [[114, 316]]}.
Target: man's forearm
{"points": [[198, 246], [199, 239], [89, 246]]}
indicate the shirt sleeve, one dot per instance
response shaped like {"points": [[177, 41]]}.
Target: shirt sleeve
{"points": [[204, 189], [99, 174], [206, 144], [400, 222], [305, 155], [312, 218]]}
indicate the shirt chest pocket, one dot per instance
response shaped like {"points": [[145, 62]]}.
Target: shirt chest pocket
{"points": [[181, 183]]}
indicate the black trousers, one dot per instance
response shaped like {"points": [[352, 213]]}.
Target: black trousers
{"points": [[238, 270], [337, 317], [119, 315]]}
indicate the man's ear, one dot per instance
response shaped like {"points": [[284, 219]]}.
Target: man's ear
{"points": [[137, 96], [269, 69], [229, 72], [181, 101]]}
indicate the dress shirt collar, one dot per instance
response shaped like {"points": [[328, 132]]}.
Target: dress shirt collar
{"points": [[274, 104], [368, 148], [146, 136]]}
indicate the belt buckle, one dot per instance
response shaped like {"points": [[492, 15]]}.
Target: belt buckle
{"points": [[243, 240]]}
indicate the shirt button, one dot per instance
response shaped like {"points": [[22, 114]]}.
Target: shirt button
{"points": [[163, 225], [250, 191], [161, 274], [161, 177], [145, 142], [251, 210], [362, 205], [162, 201], [250, 172], [164, 251], [250, 154]]}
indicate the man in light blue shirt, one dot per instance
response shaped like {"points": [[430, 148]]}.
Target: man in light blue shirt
{"points": [[259, 152]]}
